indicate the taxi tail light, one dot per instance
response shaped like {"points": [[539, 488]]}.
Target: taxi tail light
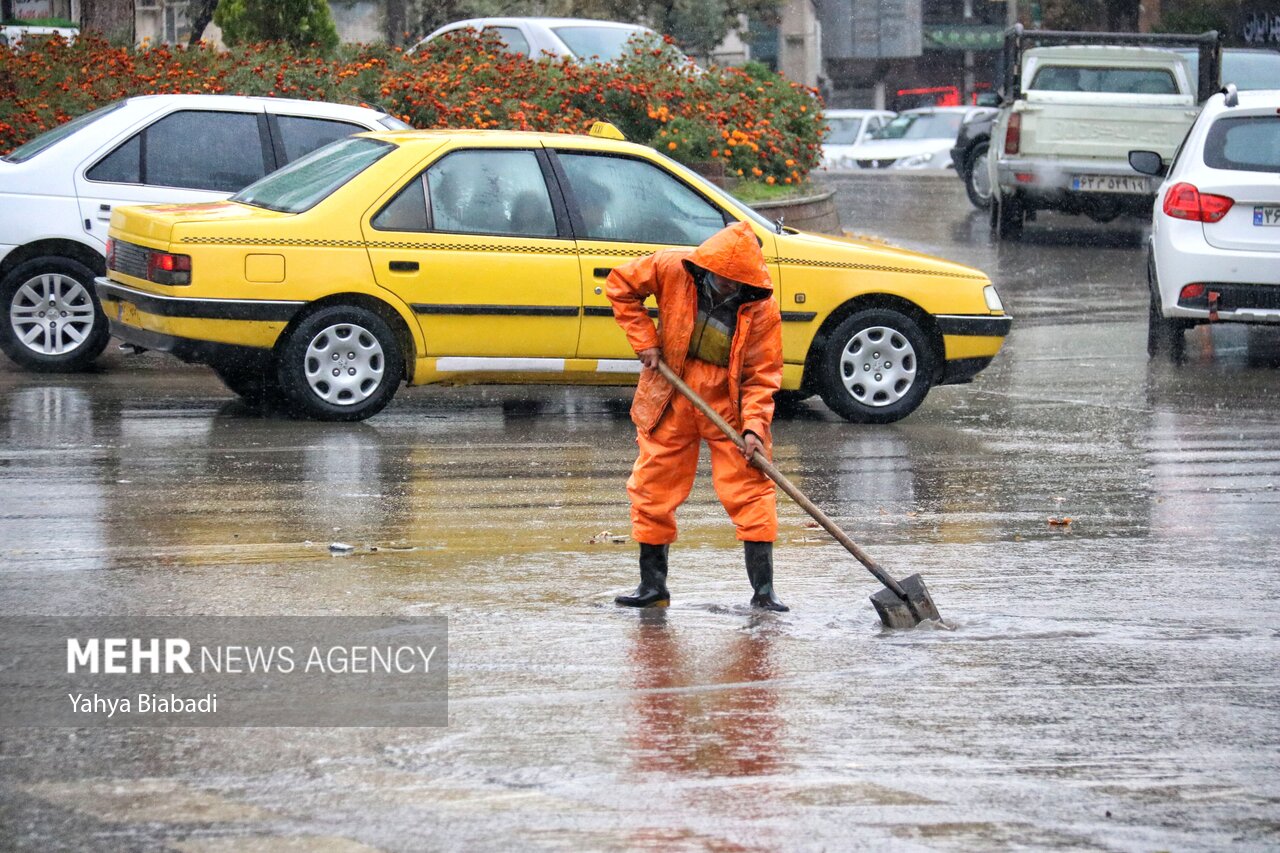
{"points": [[168, 268], [1185, 201], [1192, 291], [1013, 135], [111, 254]]}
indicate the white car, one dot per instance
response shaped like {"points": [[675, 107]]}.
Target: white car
{"points": [[850, 128], [57, 192], [578, 38], [24, 36], [916, 139], [1215, 232]]}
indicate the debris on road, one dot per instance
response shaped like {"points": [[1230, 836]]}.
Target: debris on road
{"points": [[340, 548], [604, 536]]}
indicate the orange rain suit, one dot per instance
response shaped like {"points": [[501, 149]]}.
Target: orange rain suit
{"points": [[668, 427]]}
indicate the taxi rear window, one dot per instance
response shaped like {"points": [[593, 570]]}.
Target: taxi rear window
{"points": [[1244, 144], [306, 182]]}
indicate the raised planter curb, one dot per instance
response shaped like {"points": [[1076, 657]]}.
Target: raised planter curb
{"points": [[814, 212]]}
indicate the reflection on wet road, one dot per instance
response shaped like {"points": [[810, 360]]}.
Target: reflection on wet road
{"points": [[1108, 683]]}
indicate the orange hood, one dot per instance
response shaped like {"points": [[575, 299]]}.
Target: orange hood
{"points": [[733, 252]]}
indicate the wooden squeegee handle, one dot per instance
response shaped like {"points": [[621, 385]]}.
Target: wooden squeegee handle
{"points": [[758, 459]]}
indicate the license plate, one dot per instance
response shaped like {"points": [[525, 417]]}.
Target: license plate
{"points": [[1111, 184], [1266, 214]]}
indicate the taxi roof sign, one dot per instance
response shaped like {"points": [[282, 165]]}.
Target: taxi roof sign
{"points": [[605, 130]]}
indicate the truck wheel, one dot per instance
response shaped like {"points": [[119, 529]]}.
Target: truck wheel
{"points": [[341, 363], [876, 367], [55, 322], [1007, 216], [977, 182], [256, 382]]}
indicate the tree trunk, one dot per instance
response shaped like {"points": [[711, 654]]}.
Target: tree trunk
{"points": [[200, 13], [112, 18], [6, 10], [396, 19]]}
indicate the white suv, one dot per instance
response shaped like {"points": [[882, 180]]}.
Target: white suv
{"points": [[57, 191], [1215, 234], [575, 38]]}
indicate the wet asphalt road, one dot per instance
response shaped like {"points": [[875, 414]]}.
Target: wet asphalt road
{"points": [[1109, 684]]}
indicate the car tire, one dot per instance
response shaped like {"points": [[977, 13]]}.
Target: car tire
{"points": [[1164, 334], [257, 382], [876, 367], [31, 336], [356, 343], [1007, 216], [790, 401], [977, 183]]}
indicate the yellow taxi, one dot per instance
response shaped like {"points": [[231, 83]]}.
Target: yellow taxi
{"points": [[481, 256]]}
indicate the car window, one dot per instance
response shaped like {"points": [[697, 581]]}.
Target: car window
{"points": [[844, 130], [1244, 143], [1128, 81], [922, 126], [608, 43], [121, 166], [636, 202], [304, 183], [302, 135], [31, 148], [407, 211], [230, 154], [512, 39], [490, 191]]}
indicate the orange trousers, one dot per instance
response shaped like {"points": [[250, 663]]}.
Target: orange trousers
{"points": [[664, 471]]}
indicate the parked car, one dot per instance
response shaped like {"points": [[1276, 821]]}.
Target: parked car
{"points": [[916, 139], [575, 38], [58, 190], [25, 36], [1214, 251], [848, 129], [481, 256]]}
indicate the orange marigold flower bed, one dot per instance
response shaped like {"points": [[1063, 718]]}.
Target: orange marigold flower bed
{"points": [[754, 121]]}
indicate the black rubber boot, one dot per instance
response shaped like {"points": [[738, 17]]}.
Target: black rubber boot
{"points": [[652, 591], [760, 571]]}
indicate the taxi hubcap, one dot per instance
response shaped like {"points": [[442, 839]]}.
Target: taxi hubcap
{"points": [[51, 314], [878, 366], [344, 364]]}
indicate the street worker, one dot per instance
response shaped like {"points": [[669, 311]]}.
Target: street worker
{"points": [[719, 328]]}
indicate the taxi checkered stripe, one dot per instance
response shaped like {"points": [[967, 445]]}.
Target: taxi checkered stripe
{"points": [[850, 265]]}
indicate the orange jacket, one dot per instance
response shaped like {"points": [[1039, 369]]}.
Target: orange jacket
{"points": [[755, 358]]}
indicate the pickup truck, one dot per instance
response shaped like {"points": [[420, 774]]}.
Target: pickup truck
{"points": [[1073, 111]]}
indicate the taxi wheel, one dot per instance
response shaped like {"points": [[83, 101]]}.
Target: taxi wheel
{"points": [[54, 323], [256, 382], [340, 363], [876, 367], [1165, 334]]}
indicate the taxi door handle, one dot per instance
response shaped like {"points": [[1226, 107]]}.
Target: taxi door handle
{"points": [[104, 212], [404, 266], [602, 272]]}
